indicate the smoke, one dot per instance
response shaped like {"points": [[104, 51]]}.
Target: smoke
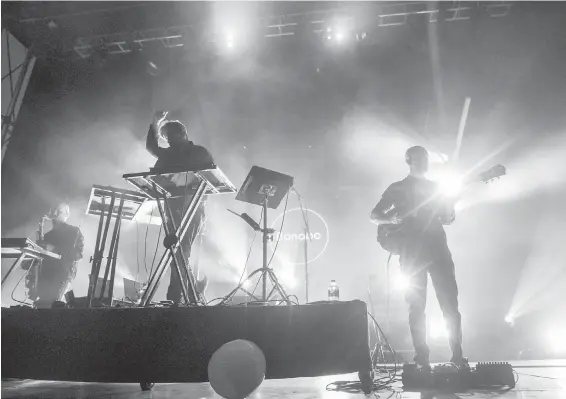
{"points": [[543, 275], [339, 124], [536, 168]]}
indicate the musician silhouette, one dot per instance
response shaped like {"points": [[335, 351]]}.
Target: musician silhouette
{"points": [[184, 153], [414, 204], [54, 275]]}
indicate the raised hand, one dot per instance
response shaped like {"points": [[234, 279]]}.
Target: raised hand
{"points": [[159, 117]]}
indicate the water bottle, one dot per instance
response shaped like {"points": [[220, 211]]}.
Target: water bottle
{"points": [[333, 291]]}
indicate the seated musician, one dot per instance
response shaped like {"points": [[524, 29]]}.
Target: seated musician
{"points": [[181, 152], [54, 275]]}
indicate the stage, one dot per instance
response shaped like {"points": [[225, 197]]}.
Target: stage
{"points": [[542, 379], [124, 122]]}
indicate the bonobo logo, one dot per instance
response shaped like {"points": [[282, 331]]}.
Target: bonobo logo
{"points": [[295, 237]]}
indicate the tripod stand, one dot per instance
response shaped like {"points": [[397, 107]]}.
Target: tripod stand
{"points": [[260, 186], [265, 271]]}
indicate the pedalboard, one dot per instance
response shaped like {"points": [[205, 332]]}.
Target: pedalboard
{"points": [[449, 378], [493, 374]]}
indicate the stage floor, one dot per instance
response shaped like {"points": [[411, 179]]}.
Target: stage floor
{"points": [[543, 379]]}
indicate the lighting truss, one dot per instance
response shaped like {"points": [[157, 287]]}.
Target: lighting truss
{"points": [[397, 14], [386, 15], [126, 42]]}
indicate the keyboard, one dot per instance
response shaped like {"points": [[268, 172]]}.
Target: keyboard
{"points": [[13, 248]]}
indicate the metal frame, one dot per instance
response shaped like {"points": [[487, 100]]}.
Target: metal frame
{"points": [[285, 25], [17, 263], [265, 271], [111, 259], [17, 92], [14, 248], [130, 197], [174, 234], [190, 294]]}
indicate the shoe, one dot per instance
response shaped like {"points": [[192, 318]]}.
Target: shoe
{"points": [[422, 363], [461, 363], [424, 368]]}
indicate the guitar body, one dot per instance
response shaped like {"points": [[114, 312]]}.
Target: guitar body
{"points": [[391, 237]]}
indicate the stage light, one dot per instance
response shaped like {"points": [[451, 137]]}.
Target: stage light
{"points": [[450, 185], [229, 40], [338, 36], [438, 329], [557, 340], [509, 319], [233, 25], [402, 282]]}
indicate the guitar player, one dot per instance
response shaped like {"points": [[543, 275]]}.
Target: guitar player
{"points": [[181, 152], [412, 204]]}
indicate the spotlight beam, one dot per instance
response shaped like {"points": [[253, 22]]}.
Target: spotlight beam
{"points": [[461, 127]]}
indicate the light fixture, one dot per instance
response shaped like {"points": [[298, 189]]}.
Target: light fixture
{"points": [[229, 39], [450, 185], [402, 282]]}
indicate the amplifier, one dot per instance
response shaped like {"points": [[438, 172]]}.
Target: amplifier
{"points": [[492, 374]]}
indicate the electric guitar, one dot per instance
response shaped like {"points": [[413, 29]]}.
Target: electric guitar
{"points": [[392, 235]]}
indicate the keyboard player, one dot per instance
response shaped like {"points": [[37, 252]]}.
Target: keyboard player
{"points": [[56, 274], [181, 152]]}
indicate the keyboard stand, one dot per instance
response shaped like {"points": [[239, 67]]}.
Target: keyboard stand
{"points": [[15, 265], [19, 249], [159, 185], [108, 203]]}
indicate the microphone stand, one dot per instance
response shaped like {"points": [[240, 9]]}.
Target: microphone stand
{"points": [[307, 232]]}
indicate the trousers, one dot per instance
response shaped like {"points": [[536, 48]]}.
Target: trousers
{"points": [[420, 258], [53, 277], [174, 291]]}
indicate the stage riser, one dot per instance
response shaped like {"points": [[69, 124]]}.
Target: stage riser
{"points": [[175, 345]]}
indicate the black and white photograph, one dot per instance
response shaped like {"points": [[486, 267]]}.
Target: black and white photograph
{"points": [[283, 199]]}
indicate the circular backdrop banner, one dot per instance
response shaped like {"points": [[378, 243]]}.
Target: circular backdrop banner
{"points": [[294, 235]]}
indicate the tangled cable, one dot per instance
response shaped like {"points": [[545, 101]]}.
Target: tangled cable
{"points": [[382, 375]]}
